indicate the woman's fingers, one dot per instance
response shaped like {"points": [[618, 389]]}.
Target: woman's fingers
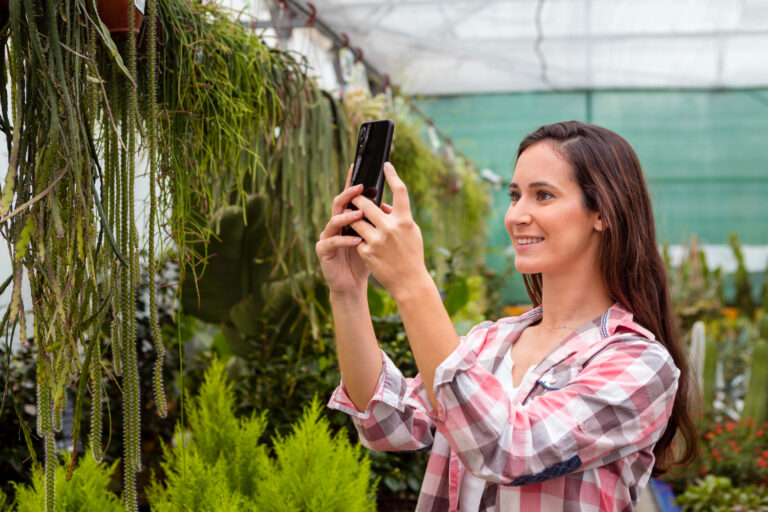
{"points": [[386, 208], [399, 191], [349, 176], [342, 200], [329, 245], [338, 221]]}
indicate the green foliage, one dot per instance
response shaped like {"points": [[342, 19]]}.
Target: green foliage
{"points": [[718, 494], [709, 372], [744, 301], [222, 464], [221, 461], [315, 471], [764, 292], [87, 491], [736, 449], [5, 504], [696, 291], [762, 326], [755, 401]]}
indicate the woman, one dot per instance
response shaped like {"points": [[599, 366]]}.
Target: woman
{"points": [[571, 406]]}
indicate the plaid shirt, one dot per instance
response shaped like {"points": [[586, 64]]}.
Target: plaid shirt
{"points": [[578, 435]]}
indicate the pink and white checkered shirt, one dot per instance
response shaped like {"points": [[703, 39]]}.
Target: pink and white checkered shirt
{"points": [[578, 436]]}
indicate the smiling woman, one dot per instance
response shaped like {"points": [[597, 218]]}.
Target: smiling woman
{"points": [[570, 406]]}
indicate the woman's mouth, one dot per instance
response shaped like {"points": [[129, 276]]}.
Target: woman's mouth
{"points": [[528, 242]]}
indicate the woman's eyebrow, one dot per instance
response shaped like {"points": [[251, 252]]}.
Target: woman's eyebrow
{"points": [[534, 184]]}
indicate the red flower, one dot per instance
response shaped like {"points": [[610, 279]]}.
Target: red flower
{"points": [[730, 426], [718, 430], [765, 454], [710, 435], [759, 433], [703, 471], [718, 458], [761, 462]]}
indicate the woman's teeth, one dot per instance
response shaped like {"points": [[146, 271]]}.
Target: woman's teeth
{"points": [[526, 241]]}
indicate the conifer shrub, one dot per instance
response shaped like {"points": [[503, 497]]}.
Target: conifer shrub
{"points": [[87, 491], [221, 463], [314, 471]]}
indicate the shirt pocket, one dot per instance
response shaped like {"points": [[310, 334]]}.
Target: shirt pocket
{"points": [[557, 377]]}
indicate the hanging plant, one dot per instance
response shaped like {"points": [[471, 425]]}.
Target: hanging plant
{"points": [[66, 210]]}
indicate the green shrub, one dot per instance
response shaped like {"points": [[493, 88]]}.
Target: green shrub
{"points": [[87, 491], [222, 465], [717, 494], [222, 460], [315, 471]]}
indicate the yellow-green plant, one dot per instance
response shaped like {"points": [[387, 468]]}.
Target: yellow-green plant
{"points": [[224, 465], [87, 491]]}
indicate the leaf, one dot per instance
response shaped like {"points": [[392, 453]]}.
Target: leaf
{"points": [[458, 295], [23, 242], [246, 315], [103, 32]]}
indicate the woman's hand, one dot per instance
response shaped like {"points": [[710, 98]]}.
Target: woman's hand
{"points": [[341, 265], [392, 248]]}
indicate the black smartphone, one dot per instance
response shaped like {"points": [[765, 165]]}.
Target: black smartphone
{"points": [[373, 143]]}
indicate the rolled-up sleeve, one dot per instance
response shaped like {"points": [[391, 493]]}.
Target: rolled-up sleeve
{"points": [[619, 403], [392, 420], [398, 416]]}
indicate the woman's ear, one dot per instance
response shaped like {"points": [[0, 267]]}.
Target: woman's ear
{"points": [[598, 225]]}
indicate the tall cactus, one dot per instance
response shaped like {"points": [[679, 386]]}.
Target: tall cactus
{"points": [[743, 299], [709, 373], [698, 344], [755, 402]]}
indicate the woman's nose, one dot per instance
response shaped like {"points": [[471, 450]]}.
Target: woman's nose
{"points": [[518, 214]]}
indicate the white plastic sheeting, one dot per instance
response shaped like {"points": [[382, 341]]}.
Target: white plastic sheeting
{"points": [[477, 46]]}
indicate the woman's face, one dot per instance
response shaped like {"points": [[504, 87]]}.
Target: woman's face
{"points": [[551, 230]]}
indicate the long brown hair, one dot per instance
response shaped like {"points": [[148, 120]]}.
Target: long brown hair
{"points": [[611, 179]]}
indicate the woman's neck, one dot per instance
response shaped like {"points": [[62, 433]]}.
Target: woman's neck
{"points": [[573, 299]]}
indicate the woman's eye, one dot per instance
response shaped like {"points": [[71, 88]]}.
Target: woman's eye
{"points": [[543, 195], [514, 196]]}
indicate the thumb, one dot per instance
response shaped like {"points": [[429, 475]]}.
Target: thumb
{"points": [[400, 202]]}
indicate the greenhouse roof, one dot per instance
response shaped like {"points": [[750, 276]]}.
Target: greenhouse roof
{"points": [[477, 46]]}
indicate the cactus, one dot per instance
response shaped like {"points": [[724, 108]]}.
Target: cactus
{"points": [[764, 292], [698, 343], [755, 403], [762, 328], [743, 299], [709, 373]]}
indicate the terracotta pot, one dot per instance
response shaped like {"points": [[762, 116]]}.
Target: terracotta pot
{"points": [[114, 14]]}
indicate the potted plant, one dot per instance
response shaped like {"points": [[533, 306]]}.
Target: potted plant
{"points": [[115, 15]]}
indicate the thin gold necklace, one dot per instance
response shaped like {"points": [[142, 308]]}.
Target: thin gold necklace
{"points": [[557, 327]]}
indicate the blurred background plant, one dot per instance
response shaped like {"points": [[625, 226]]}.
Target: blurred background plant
{"points": [[718, 494]]}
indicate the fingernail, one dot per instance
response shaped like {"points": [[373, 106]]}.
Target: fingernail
{"points": [[389, 166]]}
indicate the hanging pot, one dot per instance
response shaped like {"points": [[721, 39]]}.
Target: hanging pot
{"points": [[114, 14]]}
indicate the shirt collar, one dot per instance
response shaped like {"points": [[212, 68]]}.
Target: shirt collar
{"points": [[616, 317]]}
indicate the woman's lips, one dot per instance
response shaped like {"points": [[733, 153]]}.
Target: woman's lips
{"points": [[522, 243]]}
